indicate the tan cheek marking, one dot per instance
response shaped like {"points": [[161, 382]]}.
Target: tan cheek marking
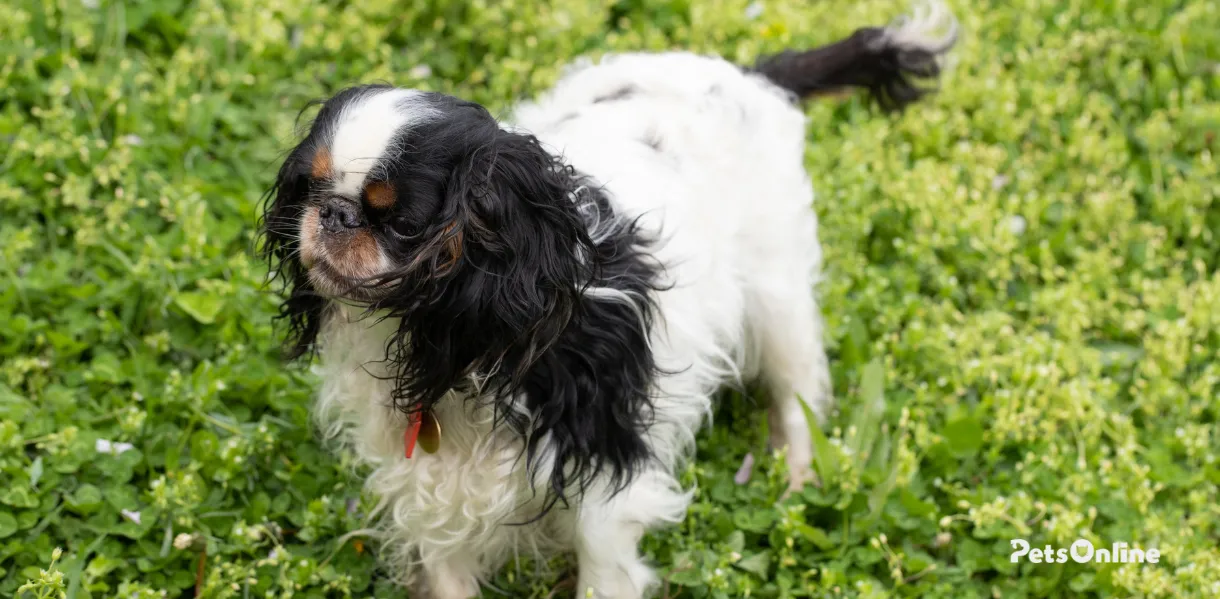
{"points": [[380, 195], [360, 258], [309, 237], [454, 245], [321, 164]]}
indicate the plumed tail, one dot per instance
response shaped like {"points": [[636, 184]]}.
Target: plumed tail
{"points": [[883, 60]]}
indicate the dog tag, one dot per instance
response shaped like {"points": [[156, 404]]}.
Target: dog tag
{"points": [[423, 428], [430, 433]]}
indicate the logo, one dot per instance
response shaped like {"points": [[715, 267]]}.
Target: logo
{"points": [[1082, 552]]}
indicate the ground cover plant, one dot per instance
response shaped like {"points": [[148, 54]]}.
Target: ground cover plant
{"points": [[1022, 299]]}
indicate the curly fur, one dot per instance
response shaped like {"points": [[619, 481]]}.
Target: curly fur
{"points": [[564, 294]]}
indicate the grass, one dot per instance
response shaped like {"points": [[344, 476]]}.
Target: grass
{"points": [[1022, 297]]}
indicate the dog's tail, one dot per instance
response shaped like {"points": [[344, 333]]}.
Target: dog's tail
{"points": [[882, 60]]}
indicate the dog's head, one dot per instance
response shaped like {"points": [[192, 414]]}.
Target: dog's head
{"points": [[504, 268], [420, 206]]}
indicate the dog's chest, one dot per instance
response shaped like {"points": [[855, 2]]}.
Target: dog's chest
{"points": [[456, 500]]}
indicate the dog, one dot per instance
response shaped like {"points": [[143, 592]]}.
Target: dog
{"points": [[520, 325]]}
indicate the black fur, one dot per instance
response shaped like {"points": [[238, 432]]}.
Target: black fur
{"points": [[283, 205], [621, 93], [863, 60], [653, 140], [492, 238]]}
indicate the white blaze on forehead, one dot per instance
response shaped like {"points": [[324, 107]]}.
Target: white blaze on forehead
{"points": [[365, 132]]}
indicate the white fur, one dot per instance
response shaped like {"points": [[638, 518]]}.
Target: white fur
{"points": [[932, 28], [364, 133], [729, 196], [361, 137]]}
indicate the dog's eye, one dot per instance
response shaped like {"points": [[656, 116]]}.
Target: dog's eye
{"points": [[403, 227]]}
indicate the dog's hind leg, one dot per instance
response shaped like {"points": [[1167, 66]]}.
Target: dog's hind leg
{"points": [[788, 331]]}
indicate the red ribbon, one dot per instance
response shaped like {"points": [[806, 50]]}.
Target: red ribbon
{"points": [[412, 433]]}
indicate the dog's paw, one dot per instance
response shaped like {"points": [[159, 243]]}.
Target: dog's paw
{"points": [[800, 473], [444, 585]]}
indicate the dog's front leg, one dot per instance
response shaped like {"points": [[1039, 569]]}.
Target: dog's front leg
{"points": [[608, 531], [451, 579]]}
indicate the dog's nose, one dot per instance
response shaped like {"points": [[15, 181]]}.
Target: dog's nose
{"points": [[338, 214]]}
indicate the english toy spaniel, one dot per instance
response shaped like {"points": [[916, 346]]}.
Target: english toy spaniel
{"points": [[520, 325]]}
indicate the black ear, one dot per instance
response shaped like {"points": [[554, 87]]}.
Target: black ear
{"points": [[502, 275], [534, 308], [279, 229]]}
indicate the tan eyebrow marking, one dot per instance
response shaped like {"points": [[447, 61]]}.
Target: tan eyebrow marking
{"points": [[321, 167], [380, 195]]}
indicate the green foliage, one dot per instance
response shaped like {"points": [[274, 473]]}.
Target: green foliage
{"points": [[1021, 293]]}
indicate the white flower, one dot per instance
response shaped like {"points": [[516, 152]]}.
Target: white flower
{"points": [[89, 3], [754, 10], [130, 515], [132, 139], [420, 71], [106, 446], [183, 541], [1016, 224]]}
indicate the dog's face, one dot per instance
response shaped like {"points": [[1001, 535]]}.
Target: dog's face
{"points": [[362, 201], [420, 206]]}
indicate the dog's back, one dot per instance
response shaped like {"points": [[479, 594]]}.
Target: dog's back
{"points": [[710, 157]]}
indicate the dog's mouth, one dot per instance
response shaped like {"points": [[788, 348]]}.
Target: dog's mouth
{"points": [[342, 264], [330, 281]]}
